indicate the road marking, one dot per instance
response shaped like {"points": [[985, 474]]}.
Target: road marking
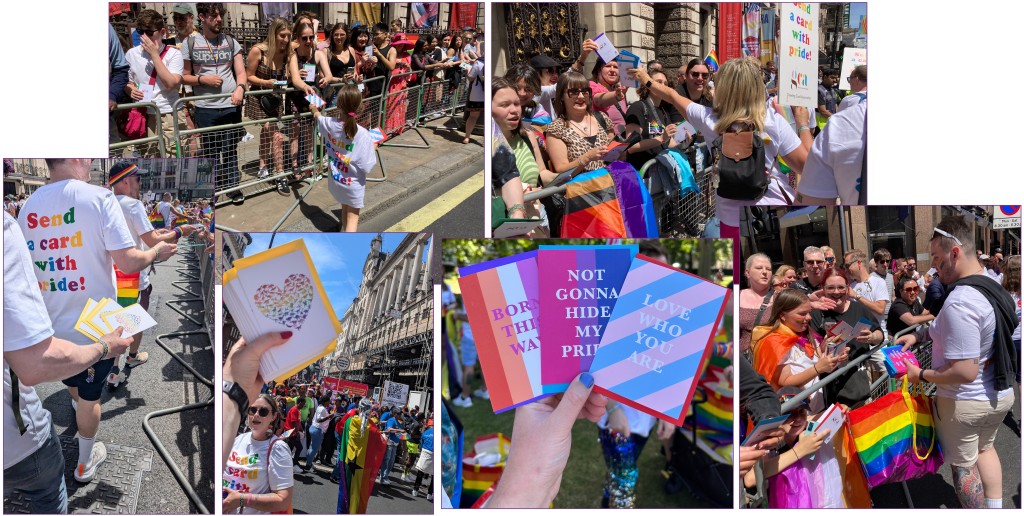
{"points": [[433, 210]]}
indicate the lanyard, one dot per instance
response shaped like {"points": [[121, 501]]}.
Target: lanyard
{"points": [[216, 57]]}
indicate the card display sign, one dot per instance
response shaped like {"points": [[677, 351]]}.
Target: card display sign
{"points": [[578, 288], [798, 55], [501, 301], [279, 290], [627, 60], [659, 334], [395, 393]]}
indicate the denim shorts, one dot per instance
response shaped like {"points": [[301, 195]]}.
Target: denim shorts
{"points": [[39, 478]]}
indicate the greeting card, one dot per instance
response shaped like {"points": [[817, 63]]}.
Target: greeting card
{"points": [[279, 290], [502, 304], [660, 332], [578, 288], [134, 319], [894, 357]]}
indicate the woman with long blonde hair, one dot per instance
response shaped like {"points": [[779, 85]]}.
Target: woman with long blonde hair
{"points": [[267, 63], [741, 104]]}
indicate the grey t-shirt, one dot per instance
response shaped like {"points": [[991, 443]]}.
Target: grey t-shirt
{"points": [[212, 58]]}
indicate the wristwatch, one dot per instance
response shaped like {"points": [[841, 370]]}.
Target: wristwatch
{"points": [[237, 394]]}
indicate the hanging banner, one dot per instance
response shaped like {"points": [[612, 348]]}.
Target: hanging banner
{"points": [[341, 385], [116, 8], [463, 15], [852, 58], [730, 31], [798, 55], [768, 28], [752, 31], [423, 15]]}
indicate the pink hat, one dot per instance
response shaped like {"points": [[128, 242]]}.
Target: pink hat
{"points": [[399, 41]]}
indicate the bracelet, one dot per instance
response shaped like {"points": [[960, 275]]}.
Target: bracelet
{"points": [[515, 207], [795, 453], [803, 128], [241, 503], [920, 376], [177, 231], [106, 349]]}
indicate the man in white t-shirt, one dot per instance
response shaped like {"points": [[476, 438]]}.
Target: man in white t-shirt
{"points": [[870, 291], [834, 164], [124, 180], [75, 233], [154, 75], [968, 406], [33, 460], [858, 88], [168, 211]]}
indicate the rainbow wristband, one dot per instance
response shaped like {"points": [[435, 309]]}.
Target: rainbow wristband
{"points": [[177, 231]]}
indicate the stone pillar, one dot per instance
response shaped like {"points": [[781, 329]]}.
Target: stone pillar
{"points": [[403, 268], [677, 30], [393, 290], [417, 266], [425, 285]]}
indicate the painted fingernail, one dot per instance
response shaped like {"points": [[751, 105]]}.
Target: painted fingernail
{"points": [[587, 380], [286, 335]]}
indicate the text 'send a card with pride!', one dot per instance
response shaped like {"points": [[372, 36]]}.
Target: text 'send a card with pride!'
{"points": [[578, 288], [660, 334], [503, 308], [284, 293]]}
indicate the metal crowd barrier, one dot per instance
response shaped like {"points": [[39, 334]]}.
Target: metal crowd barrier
{"points": [[879, 387], [194, 258], [141, 146]]}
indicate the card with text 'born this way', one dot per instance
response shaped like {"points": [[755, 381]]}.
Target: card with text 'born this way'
{"points": [[502, 305], [578, 288], [279, 290], [660, 333]]}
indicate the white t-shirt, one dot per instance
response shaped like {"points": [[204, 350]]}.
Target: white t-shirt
{"points": [[965, 329], [874, 289], [798, 362], [998, 276], [350, 160], [476, 92], [138, 222], [782, 142], [546, 98], [70, 227], [321, 411], [25, 324], [852, 100], [834, 164], [141, 68], [639, 422], [247, 470], [164, 208]]}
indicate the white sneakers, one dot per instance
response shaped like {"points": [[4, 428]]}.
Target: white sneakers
{"points": [[84, 473], [415, 492], [482, 394], [139, 359], [263, 173], [462, 402]]}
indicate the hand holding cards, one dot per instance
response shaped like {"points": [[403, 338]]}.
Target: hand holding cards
{"points": [[99, 318], [279, 290]]}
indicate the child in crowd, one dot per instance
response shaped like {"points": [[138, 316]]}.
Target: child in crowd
{"points": [[350, 152]]}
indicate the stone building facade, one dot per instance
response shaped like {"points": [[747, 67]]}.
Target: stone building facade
{"points": [[388, 328], [24, 176]]}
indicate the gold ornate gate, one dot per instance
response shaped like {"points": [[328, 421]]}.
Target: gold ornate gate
{"points": [[552, 29]]}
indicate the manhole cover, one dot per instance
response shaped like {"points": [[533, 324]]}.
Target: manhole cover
{"points": [[115, 490]]}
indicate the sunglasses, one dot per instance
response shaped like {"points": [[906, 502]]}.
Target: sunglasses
{"points": [[830, 259], [912, 289], [308, 38], [148, 32], [576, 92], [262, 411], [846, 266], [698, 75], [938, 231]]}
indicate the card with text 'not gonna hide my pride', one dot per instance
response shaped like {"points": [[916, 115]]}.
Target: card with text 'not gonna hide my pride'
{"points": [[279, 290]]}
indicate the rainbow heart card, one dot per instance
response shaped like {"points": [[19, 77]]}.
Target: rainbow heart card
{"points": [[502, 305], [661, 331], [133, 318], [578, 287], [279, 290]]}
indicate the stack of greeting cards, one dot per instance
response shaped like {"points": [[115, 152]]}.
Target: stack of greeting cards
{"points": [[894, 357], [99, 318], [642, 328], [278, 290]]}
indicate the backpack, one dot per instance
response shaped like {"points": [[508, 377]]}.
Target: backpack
{"points": [[739, 171]]}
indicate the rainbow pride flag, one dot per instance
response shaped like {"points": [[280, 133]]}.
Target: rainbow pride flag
{"points": [[712, 61], [502, 304], [127, 287]]}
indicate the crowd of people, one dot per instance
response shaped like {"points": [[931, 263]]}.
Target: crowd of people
{"points": [[71, 241], [785, 316], [559, 124], [275, 431], [301, 53]]}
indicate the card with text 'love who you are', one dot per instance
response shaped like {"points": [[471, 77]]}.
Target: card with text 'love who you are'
{"points": [[659, 334], [279, 290], [502, 305], [578, 288]]}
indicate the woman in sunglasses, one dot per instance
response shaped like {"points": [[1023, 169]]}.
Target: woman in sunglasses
{"points": [[694, 83], [302, 72], [577, 138], [907, 309], [258, 477]]}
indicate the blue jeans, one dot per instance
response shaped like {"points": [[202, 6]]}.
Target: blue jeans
{"points": [[221, 146], [316, 437], [389, 460], [40, 479]]}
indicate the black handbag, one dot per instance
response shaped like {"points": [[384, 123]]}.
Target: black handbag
{"points": [[270, 104]]}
